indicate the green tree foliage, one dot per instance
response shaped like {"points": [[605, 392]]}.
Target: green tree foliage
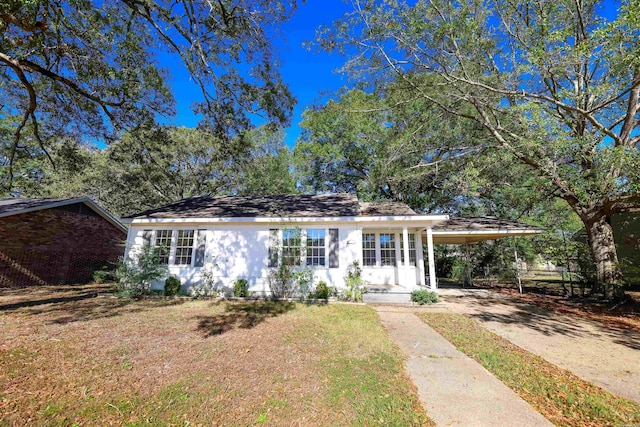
{"points": [[382, 148], [552, 85], [87, 69], [268, 168], [150, 167], [153, 167]]}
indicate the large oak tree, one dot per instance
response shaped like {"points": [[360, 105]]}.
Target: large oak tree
{"points": [[553, 84]]}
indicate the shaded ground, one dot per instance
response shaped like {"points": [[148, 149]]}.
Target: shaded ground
{"points": [[551, 296], [68, 357], [596, 351]]}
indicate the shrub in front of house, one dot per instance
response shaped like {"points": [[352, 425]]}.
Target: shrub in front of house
{"points": [[322, 290], [172, 286], [241, 288], [422, 297], [136, 272], [104, 275], [355, 285]]}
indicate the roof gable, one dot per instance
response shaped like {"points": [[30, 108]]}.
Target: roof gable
{"points": [[17, 206], [14, 206]]}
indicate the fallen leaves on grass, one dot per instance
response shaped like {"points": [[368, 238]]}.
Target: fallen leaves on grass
{"points": [[97, 361]]}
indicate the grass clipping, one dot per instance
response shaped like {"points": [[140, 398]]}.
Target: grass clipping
{"points": [[563, 398]]}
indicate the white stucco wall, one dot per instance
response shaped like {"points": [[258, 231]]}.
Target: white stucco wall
{"points": [[241, 252], [239, 249]]}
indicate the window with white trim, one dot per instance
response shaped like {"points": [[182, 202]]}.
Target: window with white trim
{"points": [[316, 247], [388, 249], [412, 249], [368, 249], [291, 247], [163, 243], [184, 247]]}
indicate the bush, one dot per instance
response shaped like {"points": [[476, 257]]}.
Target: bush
{"points": [[209, 287], [104, 275], [136, 272], [354, 284], [322, 290], [302, 282], [172, 286], [241, 288], [281, 281], [424, 297]]}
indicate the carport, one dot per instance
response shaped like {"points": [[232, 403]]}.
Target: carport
{"points": [[468, 231]]}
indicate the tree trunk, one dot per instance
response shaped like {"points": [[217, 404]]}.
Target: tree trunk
{"points": [[603, 250]]}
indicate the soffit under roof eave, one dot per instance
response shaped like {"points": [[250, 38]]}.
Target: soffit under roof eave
{"points": [[474, 236], [414, 221]]}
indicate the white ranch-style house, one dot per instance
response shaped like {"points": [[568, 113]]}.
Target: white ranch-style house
{"points": [[244, 237]]}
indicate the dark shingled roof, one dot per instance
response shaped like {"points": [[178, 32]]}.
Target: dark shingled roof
{"points": [[298, 205], [321, 205], [385, 209], [13, 205], [482, 223], [16, 205]]}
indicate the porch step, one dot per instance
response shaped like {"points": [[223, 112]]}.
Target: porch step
{"points": [[386, 295]]}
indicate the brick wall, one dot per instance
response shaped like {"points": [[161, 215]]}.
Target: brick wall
{"points": [[56, 246]]}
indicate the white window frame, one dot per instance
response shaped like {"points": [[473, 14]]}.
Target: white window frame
{"points": [[190, 249], [369, 249], [321, 259], [295, 261], [387, 249], [413, 250], [303, 247], [169, 239], [398, 250]]}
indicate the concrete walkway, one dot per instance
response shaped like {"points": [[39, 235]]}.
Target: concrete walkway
{"points": [[454, 389]]}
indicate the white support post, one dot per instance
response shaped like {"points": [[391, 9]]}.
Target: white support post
{"points": [[420, 258], [432, 262], [127, 246], [405, 249]]}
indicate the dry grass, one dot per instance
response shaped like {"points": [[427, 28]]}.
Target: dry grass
{"points": [[67, 358], [563, 398]]}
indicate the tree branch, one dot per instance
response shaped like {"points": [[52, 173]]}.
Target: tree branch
{"points": [[632, 109]]}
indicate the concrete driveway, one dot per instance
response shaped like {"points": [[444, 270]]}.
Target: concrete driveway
{"points": [[603, 355]]}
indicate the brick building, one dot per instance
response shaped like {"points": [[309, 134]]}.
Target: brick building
{"points": [[56, 241]]}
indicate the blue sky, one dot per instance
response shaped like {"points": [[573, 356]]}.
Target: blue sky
{"points": [[308, 73]]}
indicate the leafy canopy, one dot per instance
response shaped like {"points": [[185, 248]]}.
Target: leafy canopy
{"points": [[89, 69]]}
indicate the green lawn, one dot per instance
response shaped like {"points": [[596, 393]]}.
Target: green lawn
{"points": [[560, 396], [69, 359]]}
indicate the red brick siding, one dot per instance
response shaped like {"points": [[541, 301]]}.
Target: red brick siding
{"points": [[56, 246]]}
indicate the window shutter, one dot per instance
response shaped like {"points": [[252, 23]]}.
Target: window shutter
{"points": [[201, 246], [334, 242], [273, 247], [146, 237]]}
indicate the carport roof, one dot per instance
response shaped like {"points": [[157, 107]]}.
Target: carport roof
{"points": [[463, 231]]}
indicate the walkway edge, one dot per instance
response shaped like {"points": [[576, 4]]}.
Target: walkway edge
{"points": [[453, 388]]}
